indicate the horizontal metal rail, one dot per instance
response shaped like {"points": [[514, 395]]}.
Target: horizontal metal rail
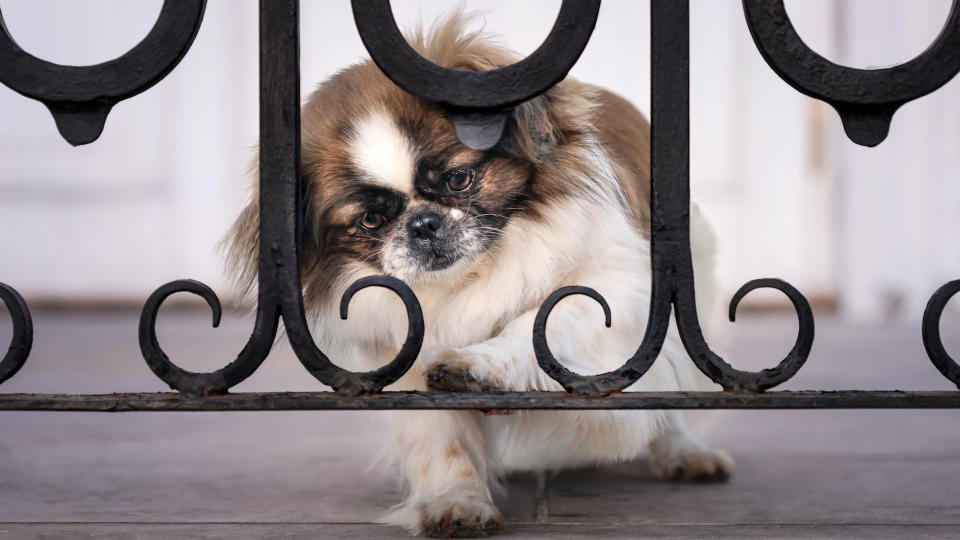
{"points": [[326, 401]]}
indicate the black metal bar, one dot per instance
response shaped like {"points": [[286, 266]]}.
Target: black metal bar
{"points": [[670, 153], [669, 208], [80, 97], [865, 99], [281, 211], [278, 197], [670, 239], [317, 401], [670, 147]]}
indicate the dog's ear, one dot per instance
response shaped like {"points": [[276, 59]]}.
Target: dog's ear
{"points": [[242, 243], [539, 125]]}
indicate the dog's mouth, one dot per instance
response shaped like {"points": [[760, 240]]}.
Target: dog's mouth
{"points": [[413, 255], [441, 246], [435, 257], [440, 262], [427, 262]]}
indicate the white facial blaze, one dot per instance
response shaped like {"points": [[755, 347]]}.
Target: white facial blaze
{"points": [[383, 152]]}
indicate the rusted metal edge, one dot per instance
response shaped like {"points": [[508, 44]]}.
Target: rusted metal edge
{"points": [[311, 401]]}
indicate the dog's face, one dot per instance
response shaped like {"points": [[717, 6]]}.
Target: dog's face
{"points": [[393, 188], [407, 198]]}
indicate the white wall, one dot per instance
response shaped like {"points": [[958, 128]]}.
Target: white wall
{"points": [[899, 203], [148, 201], [789, 196]]}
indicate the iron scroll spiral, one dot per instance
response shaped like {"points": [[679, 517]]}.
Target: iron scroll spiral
{"points": [[477, 100], [350, 383], [204, 384], [932, 341], [722, 373], [80, 97], [865, 99], [603, 383], [22, 340]]}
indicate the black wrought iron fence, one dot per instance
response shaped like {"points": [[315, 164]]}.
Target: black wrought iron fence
{"points": [[80, 99]]}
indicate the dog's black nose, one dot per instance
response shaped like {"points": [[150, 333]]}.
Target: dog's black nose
{"points": [[425, 226]]}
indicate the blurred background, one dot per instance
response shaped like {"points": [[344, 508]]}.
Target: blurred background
{"points": [[861, 231]]}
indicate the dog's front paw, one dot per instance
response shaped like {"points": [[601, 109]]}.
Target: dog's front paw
{"points": [[692, 465], [469, 516], [457, 370]]}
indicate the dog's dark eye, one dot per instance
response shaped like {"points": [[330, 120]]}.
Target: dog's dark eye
{"points": [[459, 179], [371, 220]]}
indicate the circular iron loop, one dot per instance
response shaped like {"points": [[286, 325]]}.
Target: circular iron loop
{"points": [[80, 97], [735, 380], [866, 99], [603, 383], [22, 340], [494, 89], [932, 340], [201, 384], [476, 100], [350, 383]]}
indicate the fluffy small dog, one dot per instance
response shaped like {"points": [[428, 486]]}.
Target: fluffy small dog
{"points": [[482, 237]]}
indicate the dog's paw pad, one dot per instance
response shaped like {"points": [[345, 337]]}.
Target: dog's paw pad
{"points": [[460, 518], [452, 378], [700, 465], [454, 370], [474, 527]]}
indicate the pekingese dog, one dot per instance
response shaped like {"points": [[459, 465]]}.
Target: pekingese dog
{"points": [[482, 237]]}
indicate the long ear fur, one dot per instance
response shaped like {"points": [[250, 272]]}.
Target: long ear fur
{"points": [[543, 123], [241, 245], [242, 242]]}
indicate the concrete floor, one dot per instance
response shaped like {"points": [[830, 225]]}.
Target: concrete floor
{"points": [[801, 474]]}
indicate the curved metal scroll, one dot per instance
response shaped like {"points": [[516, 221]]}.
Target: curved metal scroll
{"points": [[22, 339], [213, 383], [349, 383], [604, 383], [864, 98], [80, 97], [722, 373], [932, 340], [477, 100]]}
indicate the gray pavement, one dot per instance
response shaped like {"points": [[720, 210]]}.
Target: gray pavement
{"points": [[801, 474]]}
